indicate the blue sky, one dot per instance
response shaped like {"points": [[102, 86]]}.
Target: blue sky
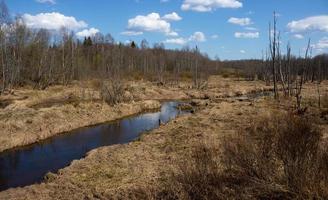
{"points": [[230, 29]]}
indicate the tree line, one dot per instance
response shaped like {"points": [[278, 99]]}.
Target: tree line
{"points": [[41, 58]]}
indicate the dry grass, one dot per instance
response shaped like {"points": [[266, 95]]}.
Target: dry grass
{"points": [[279, 157]]}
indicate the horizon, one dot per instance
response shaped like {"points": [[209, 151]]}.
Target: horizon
{"points": [[229, 30]]}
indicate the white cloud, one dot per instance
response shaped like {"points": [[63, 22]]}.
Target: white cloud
{"points": [[242, 51], [209, 5], [172, 34], [247, 35], [88, 32], [240, 21], [298, 36], [178, 41], [150, 23], [126, 42], [215, 36], [322, 44], [172, 17], [53, 21], [46, 1], [198, 37], [314, 23], [131, 33]]}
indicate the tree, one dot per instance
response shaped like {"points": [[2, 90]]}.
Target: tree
{"points": [[196, 54], [4, 13], [109, 39], [133, 45], [273, 52], [87, 41], [144, 44], [4, 22]]}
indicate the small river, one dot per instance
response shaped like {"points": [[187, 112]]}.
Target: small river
{"points": [[28, 165]]}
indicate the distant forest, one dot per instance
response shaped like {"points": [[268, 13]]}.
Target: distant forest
{"points": [[41, 58]]}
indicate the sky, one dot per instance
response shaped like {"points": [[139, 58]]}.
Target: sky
{"points": [[227, 29]]}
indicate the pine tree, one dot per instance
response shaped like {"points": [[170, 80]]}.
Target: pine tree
{"points": [[133, 45]]}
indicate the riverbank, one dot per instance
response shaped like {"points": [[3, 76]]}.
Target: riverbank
{"points": [[111, 172], [28, 116], [117, 172]]}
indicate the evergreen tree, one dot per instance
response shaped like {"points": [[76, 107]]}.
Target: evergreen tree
{"points": [[133, 45], [87, 41]]}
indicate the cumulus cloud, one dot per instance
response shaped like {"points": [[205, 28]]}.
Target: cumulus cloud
{"points": [[242, 51], [172, 17], [322, 44], [196, 37], [150, 23], [251, 35], [240, 21], [88, 32], [209, 5], [298, 36], [52, 21], [314, 23], [46, 1]]}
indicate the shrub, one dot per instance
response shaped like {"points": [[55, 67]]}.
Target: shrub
{"points": [[279, 157], [283, 151], [112, 92]]}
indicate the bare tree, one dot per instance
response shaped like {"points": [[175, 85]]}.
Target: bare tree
{"points": [[273, 52], [299, 84], [4, 23]]}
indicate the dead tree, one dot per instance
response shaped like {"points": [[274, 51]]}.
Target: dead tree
{"points": [[196, 81], [299, 85], [288, 66], [273, 52], [280, 60]]}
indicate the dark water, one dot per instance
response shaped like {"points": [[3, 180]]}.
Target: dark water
{"points": [[28, 165]]}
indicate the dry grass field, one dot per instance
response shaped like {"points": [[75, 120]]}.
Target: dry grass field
{"points": [[219, 150]]}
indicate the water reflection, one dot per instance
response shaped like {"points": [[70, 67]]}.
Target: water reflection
{"points": [[28, 165]]}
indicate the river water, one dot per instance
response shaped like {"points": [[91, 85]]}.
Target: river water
{"points": [[28, 165]]}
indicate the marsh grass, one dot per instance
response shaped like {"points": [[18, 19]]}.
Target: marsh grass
{"points": [[277, 157]]}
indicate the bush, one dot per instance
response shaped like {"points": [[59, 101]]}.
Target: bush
{"points": [[280, 157], [283, 157], [112, 92]]}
